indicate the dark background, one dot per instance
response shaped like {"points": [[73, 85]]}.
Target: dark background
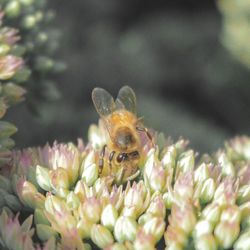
{"points": [[169, 52]]}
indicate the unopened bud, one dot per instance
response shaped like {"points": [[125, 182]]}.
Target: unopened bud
{"points": [[245, 210], [175, 236], [228, 168], [43, 178], [144, 241], [243, 242], [44, 232], [29, 22], [84, 228], [101, 236], [59, 178], [40, 217], [4, 49], [168, 160], [155, 227], [243, 194], [186, 161], [90, 174], [168, 199], [206, 242], [91, 209], [231, 214], [13, 9], [109, 216], [212, 213], [201, 173], [226, 233], [125, 229], [72, 200], [157, 206], [202, 227], [207, 191]]}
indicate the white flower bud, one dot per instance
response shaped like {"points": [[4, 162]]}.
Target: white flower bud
{"points": [[101, 236], [109, 216], [125, 229]]}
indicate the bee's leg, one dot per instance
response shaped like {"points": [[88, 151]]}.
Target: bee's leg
{"points": [[111, 157], [145, 130], [122, 157], [134, 155], [101, 159]]}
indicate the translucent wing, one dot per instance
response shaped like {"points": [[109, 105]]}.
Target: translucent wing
{"points": [[103, 101], [126, 99]]}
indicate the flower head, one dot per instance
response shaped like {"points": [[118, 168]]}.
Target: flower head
{"points": [[191, 205]]}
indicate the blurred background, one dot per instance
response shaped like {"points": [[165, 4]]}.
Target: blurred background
{"points": [[190, 74]]}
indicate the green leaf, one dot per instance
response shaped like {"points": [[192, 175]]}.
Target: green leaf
{"points": [[7, 129]]}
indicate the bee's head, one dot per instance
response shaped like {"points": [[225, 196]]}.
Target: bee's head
{"points": [[124, 138]]}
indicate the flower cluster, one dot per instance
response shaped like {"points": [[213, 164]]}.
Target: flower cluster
{"points": [[176, 198], [38, 45], [11, 65]]}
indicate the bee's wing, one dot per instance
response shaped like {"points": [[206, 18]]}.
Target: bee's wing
{"points": [[126, 99], [103, 101]]}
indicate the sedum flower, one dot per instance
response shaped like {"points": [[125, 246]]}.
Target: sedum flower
{"points": [[185, 162], [91, 209], [206, 242], [13, 235], [169, 158], [101, 236], [202, 227], [84, 227], [196, 206], [226, 192], [29, 195], [45, 232], [136, 199], [156, 227], [90, 169], [65, 156], [155, 174], [226, 233], [59, 215], [226, 165], [212, 213], [243, 194], [125, 229], [109, 216], [238, 148], [9, 65], [144, 241], [243, 242], [157, 206]]}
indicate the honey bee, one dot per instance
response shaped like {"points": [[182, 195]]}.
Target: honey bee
{"points": [[121, 126]]}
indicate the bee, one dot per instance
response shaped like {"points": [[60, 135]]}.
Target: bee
{"points": [[122, 128]]}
